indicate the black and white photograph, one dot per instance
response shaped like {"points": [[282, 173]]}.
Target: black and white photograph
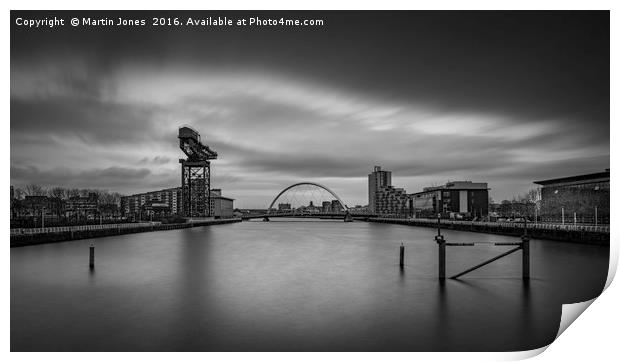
{"points": [[306, 180]]}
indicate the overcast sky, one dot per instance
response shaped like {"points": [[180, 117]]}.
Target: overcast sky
{"points": [[504, 98]]}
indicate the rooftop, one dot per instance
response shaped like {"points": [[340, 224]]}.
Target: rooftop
{"points": [[587, 177]]}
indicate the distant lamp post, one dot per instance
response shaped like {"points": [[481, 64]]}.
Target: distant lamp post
{"points": [[595, 216]]}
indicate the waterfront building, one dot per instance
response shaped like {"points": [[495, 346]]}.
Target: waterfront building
{"points": [[458, 199], [138, 206], [383, 198], [390, 200], [39, 206], [82, 207], [221, 207], [284, 206], [359, 209], [377, 179], [167, 202], [327, 206], [581, 198], [336, 207]]}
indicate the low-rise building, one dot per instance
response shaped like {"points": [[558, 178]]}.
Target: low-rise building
{"points": [[390, 200], [458, 199], [221, 207], [581, 198], [82, 207], [140, 206]]}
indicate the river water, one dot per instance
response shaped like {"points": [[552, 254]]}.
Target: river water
{"points": [[293, 285]]}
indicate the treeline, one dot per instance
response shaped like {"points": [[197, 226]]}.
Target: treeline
{"points": [[103, 196]]}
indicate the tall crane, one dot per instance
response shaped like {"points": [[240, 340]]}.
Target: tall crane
{"points": [[195, 174]]}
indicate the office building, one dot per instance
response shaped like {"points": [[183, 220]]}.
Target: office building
{"points": [[458, 199], [583, 197]]}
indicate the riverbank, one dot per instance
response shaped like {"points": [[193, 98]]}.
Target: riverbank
{"points": [[576, 234], [54, 235]]}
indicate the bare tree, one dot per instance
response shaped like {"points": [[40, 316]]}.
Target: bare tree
{"points": [[34, 190], [58, 192], [73, 192], [18, 193]]}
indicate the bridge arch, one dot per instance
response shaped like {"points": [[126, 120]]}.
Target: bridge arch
{"points": [[344, 206]]}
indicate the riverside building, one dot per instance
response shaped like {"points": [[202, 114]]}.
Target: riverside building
{"points": [[383, 198], [458, 199], [581, 198]]}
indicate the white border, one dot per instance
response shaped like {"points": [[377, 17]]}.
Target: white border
{"points": [[594, 335]]}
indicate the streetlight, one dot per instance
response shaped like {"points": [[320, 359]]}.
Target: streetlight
{"points": [[595, 216]]}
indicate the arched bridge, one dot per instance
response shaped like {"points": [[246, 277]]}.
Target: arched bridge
{"points": [[289, 205]]}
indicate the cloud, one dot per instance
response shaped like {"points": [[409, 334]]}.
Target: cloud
{"points": [[156, 160], [104, 111], [111, 178]]}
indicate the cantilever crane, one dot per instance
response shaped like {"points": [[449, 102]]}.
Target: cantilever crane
{"points": [[189, 142], [195, 174]]}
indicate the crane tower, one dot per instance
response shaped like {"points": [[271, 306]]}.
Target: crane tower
{"points": [[195, 174]]}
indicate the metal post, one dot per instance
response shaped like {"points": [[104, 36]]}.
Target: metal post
{"points": [[438, 224], [562, 216], [574, 219], [91, 262], [525, 264], [402, 255]]}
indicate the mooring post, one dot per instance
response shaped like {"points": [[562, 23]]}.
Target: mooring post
{"points": [[442, 257], [442, 249], [402, 255], [525, 264], [91, 262]]}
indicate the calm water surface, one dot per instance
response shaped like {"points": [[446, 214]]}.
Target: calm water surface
{"points": [[293, 286]]}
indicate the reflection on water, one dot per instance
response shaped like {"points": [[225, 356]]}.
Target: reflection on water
{"points": [[296, 285]]}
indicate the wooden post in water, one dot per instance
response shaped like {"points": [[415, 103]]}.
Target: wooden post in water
{"points": [[442, 250], [442, 258], [402, 255], [525, 249], [525, 264], [91, 262]]}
